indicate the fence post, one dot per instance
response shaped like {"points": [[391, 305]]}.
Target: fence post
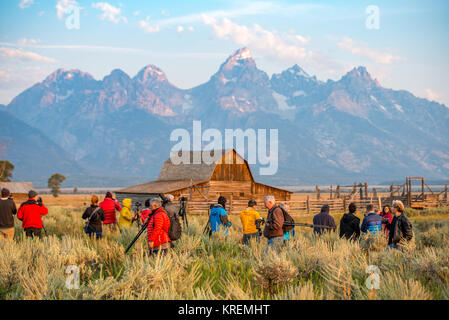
{"points": [[344, 203], [308, 204]]}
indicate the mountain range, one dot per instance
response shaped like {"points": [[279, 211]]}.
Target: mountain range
{"points": [[330, 132]]}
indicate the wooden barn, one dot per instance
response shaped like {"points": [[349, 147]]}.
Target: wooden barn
{"points": [[229, 176], [19, 190]]}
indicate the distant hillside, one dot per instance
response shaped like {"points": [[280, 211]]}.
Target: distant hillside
{"points": [[334, 132], [34, 156]]}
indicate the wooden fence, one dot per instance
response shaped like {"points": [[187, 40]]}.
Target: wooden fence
{"points": [[309, 206]]}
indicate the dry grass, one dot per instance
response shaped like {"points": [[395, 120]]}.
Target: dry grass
{"points": [[307, 267]]}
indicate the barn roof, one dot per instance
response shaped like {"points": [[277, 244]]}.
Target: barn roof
{"points": [[187, 171], [174, 177], [160, 186], [17, 187]]}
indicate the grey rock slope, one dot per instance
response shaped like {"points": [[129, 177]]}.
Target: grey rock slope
{"points": [[329, 132]]}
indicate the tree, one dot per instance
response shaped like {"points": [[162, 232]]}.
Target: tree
{"points": [[75, 190], [54, 183], [6, 169]]}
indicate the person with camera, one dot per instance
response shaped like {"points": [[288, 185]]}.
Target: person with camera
{"points": [[350, 224], [251, 222], [324, 219], [387, 219], [372, 222], [110, 206], [125, 220], [7, 211], [400, 228], [219, 217], [95, 216], [273, 231], [158, 226], [31, 213], [170, 207]]}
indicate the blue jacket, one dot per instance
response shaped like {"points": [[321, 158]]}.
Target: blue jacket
{"points": [[216, 212], [372, 223]]}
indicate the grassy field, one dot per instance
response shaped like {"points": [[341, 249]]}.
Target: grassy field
{"points": [[221, 268]]}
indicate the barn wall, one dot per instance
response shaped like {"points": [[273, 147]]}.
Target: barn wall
{"points": [[237, 170]]}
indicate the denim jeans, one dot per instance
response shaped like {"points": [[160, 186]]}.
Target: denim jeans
{"points": [[95, 234], [156, 252], [276, 241], [247, 237]]}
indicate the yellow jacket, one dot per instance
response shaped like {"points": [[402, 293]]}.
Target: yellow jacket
{"points": [[125, 219], [249, 217]]}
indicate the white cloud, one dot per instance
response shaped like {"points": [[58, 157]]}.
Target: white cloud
{"points": [[41, 13], [4, 76], [25, 4], [12, 53], [351, 46], [257, 38], [110, 12], [431, 95], [147, 28], [136, 13], [191, 29], [27, 42], [180, 29], [64, 6]]}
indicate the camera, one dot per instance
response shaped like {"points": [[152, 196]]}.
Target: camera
{"points": [[259, 223]]}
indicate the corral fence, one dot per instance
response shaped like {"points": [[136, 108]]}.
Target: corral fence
{"points": [[310, 206]]}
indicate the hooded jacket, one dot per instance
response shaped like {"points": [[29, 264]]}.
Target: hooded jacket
{"points": [[324, 219], [31, 214], [372, 223], [109, 207], [218, 216], [125, 220], [349, 226], [248, 218]]}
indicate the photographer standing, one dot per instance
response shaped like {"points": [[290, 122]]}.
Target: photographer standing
{"points": [[219, 217], [109, 206], [30, 213], [251, 221], [7, 211]]}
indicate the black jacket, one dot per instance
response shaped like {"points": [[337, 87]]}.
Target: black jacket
{"points": [[95, 224], [400, 228], [7, 210], [349, 226]]}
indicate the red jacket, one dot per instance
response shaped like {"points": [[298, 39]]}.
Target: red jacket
{"points": [[158, 226], [109, 207], [30, 213], [388, 216]]}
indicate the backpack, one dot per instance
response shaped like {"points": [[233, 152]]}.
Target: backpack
{"points": [[175, 230], [287, 218]]}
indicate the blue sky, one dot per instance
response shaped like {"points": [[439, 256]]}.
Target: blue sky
{"points": [[189, 40]]}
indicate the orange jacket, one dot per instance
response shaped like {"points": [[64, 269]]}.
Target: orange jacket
{"points": [[158, 226]]}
